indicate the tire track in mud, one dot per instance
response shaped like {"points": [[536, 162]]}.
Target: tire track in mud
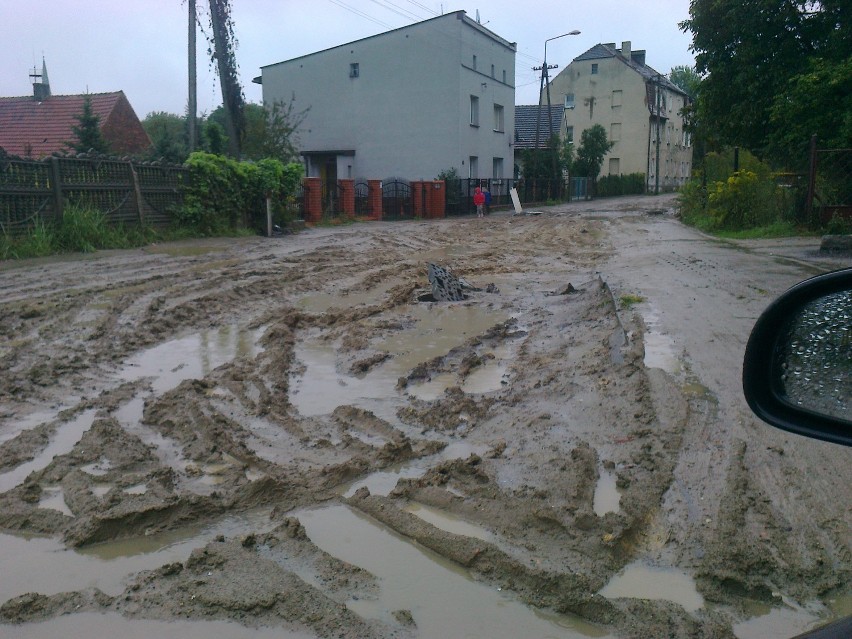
{"points": [[748, 514], [574, 402]]}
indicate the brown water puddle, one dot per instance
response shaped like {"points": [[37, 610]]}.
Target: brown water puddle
{"points": [[66, 436], [641, 581], [433, 330], [444, 601]]}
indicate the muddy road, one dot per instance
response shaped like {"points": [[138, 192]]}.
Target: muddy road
{"points": [[280, 437]]}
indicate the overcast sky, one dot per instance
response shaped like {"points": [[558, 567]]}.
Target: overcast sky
{"points": [[140, 47]]}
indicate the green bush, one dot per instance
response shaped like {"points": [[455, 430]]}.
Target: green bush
{"points": [[631, 184], [721, 199], [224, 194]]}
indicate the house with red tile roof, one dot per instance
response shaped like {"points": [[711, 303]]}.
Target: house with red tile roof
{"points": [[42, 124]]}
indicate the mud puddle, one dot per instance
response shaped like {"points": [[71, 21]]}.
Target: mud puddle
{"points": [[443, 600], [607, 497], [789, 619], [430, 330], [383, 482], [190, 357], [45, 565], [641, 581], [660, 349], [66, 436], [88, 624]]}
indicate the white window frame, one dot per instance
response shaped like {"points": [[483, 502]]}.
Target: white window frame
{"points": [[474, 110], [499, 118]]}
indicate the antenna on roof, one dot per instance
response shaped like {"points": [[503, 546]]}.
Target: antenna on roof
{"points": [[478, 21]]}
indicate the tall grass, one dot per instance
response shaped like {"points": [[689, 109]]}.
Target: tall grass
{"points": [[81, 230]]}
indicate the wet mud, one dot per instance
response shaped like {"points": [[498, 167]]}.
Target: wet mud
{"points": [[540, 440]]}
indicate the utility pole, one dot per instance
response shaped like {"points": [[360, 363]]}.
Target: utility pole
{"points": [[545, 82], [657, 85], [192, 103]]}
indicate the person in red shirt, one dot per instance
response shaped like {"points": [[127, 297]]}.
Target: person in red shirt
{"points": [[479, 201]]}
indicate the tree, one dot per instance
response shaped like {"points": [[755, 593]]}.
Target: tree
{"points": [[168, 133], [686, 79], [594, 145], [749, 52], [549, 162], [816, 102], [223, 55], [269, 132], [215, 138], [88, 133]]}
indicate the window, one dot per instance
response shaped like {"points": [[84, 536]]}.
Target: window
{"points": [[594, 68], [615, 131], [569, 100], [474, 63], [497, 172], [354, 70], [473, 167], [616, 98], [614, 168], [498, 118], [569, 134], [474, 111]]}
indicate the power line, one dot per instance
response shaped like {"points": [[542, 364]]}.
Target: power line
{"points": [[360, 13], [424, 7], [390, 6]]}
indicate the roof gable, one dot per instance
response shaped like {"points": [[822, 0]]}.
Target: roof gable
{"points": [[636, 61], [530, 117], [456, 15], [30, 128]]}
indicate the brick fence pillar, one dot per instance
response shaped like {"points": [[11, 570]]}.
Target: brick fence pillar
{"points": [[313, 199], [417, 201], [374, 199], [436, 199], [347, 197]]}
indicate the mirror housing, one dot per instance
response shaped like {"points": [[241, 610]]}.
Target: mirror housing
{"points": [[797, 370]]}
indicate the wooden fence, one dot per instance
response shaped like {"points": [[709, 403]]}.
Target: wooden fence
{"points": [[37, 192]]}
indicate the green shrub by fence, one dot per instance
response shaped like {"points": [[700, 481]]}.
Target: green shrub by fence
{"points": [[223, 193], [631, 184]]}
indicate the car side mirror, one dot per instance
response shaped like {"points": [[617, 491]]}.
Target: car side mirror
{"points": [[797, 371]]}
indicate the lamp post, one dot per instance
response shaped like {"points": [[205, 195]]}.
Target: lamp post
{"points": [[545, 82]]}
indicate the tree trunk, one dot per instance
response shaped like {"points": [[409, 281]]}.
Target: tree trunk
{"points": [[231, 95]]}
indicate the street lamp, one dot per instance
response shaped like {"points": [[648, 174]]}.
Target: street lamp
{"points": [[545, 81]]}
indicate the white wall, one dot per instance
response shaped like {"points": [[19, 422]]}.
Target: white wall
{"points": [[407, 112]]}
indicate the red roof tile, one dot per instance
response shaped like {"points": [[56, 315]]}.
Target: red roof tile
{"points": [[29, 128]]}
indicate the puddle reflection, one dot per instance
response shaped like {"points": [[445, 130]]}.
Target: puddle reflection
{"points": [[191, 357]]}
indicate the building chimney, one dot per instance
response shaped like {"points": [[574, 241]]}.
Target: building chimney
{"points": [[625, 49], [41, 90]]}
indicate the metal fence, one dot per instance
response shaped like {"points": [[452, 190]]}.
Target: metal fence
{"points": [[829, 191], [460, 192], [38, 192]]}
